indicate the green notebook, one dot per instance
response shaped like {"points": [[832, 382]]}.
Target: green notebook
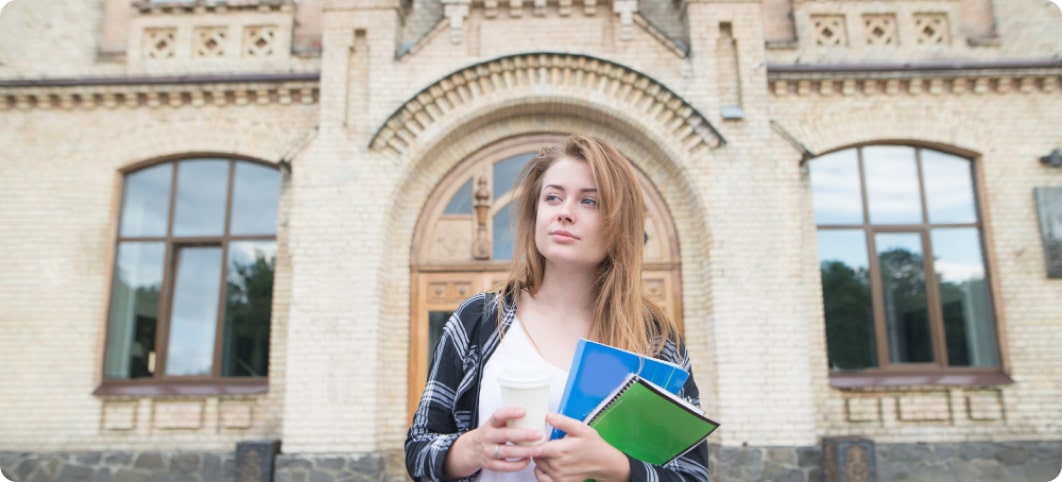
{"points": [[649, 423]]}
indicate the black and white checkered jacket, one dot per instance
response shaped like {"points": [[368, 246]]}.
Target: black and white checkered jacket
{"points": [[449, 404]]}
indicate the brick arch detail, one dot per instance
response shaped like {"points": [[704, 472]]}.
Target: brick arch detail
{"points": [[267, 142], [832, 129], [578, 80]]}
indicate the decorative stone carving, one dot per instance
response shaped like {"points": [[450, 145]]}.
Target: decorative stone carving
{"points": [[931, 29], [625, 9], [829, 30], [455, 12], [481, 246], [160, 43], [258, 40], [881, 29], [848, 459]]}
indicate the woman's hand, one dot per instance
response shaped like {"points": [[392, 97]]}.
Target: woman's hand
{"points": [[487, 447], [580, 455]]}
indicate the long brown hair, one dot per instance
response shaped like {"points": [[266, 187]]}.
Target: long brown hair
{"points": [[623, 315]]}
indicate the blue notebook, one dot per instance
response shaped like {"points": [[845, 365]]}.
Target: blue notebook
{"points": [[597, 370]]}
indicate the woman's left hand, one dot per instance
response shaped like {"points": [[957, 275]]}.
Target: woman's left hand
{"points": [[580, 455]]}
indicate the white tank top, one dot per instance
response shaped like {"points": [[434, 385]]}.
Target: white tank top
{"points": [[515, 348]]}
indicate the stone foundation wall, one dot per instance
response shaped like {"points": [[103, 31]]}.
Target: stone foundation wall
{"points": [[939, 462]]}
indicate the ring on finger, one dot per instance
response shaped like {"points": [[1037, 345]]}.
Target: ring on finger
{"points": [[496, 448]]}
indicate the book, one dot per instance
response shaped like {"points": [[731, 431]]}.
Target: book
{"points": [[597, 369], [649, 423]]}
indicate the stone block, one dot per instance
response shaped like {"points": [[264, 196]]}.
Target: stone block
{"points": [[255, 459]]}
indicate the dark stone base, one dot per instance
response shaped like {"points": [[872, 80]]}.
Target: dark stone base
{"points": [[938, 462]]}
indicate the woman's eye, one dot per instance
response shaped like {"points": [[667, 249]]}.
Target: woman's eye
{"points": [[552, 197], [590, 202]]}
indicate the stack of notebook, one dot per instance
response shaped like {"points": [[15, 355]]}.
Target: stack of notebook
{"points": [[632, 402]]}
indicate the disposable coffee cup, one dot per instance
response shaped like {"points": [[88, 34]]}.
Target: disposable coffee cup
{"points": [[527, 387]]}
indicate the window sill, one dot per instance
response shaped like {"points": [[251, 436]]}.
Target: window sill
{"points": [[198, 388], [865, 380]]}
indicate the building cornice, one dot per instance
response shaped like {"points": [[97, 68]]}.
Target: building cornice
{"points": [[1024, 76], [158, 91]]}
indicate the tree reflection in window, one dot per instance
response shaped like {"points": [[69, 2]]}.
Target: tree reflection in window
{"points": [[880, 242]]}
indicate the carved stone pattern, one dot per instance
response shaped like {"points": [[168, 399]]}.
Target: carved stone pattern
{"points": [[863, 409], [258, 40], [250, 469], [829, 30], [930, 407], [441, 292], [210, 42], [577, 75], [177, 95], [880, 29], [984, 406], [119, 415], [172, 414], [856, 467], [159, 43], [931, 29], [978, 83]]}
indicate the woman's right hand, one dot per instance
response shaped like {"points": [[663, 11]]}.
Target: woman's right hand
{"points": [[487, 447]]}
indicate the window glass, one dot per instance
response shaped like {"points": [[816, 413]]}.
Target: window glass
{"points": [[964, 296], [506, 172], [201, 191], [146, 201], [949, 188], [255, 196], [133, 316], [904, 293], [193, 317], [248, 308], [502, 247], [461, 203], [892, 185], [846, 300], [835, 187]]}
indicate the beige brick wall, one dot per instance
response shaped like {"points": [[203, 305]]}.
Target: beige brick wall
{"points": [[63, 182], [751, 296]]}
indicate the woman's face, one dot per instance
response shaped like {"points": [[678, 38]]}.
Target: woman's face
{"points": [[568, 229]]}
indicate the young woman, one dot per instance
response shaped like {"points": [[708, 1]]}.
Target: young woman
{"points": [[576, 273]]}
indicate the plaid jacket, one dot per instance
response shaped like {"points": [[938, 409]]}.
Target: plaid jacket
{"points": [[449, 404]]}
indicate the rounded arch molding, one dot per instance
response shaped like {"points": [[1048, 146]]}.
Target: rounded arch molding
{"points": [[842, 127], [576, 80], [152, 143]]}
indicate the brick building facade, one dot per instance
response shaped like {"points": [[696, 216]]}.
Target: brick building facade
{"points": [[373, 125]]}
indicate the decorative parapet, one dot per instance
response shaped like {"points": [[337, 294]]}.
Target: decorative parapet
{"points": [[158, 92], [912, 79], [571, 76], [204, 30], [456, 11]]}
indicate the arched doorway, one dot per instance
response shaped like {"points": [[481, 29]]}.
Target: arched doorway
{"points": [[462, 245]]}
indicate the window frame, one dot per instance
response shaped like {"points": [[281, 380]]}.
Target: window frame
{"points": [[159, 384], [937, 372]]}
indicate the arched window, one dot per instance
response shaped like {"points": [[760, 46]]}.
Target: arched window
{"points": [[904, 279], [192, 289]]}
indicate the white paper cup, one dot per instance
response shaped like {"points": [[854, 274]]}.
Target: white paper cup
{"points": [[527, 388]]}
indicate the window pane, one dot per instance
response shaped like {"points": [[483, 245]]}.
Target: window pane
{"points": [[193, 318], [201, 189], [506, 172], [255, 195], [892, 185], [436, 321], [461, 203], [846, 299], [904, 295], [248, 308], [503, 235], [134, 309], [835, 188], [969, 324], [949, 188], [146, 201]]}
